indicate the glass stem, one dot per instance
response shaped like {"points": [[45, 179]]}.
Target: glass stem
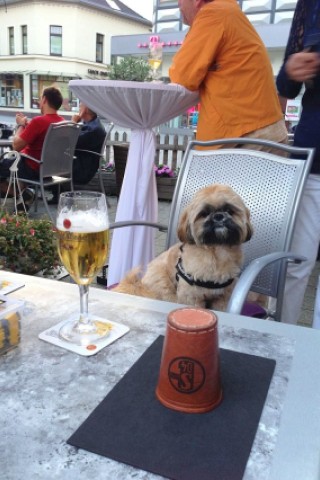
{"points": [[84, 297]]}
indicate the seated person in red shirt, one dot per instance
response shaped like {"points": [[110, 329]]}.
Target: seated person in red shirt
{"points": [[30, 136]]}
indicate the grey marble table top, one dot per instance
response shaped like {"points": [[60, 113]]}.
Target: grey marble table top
{"points": [[46, 392]]}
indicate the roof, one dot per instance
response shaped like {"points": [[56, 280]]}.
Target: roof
{"points": [[104, 5]]}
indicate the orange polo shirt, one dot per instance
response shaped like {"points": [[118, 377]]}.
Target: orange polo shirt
{"points": [[224, 58]]}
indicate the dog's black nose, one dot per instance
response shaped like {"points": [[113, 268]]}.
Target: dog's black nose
{"points": [[219, 217]]}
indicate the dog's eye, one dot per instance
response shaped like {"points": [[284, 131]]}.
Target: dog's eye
{"points": [[204, 213], [229, 211]]}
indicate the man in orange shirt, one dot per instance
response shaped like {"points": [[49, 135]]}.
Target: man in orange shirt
{"points": [[224, 58]]}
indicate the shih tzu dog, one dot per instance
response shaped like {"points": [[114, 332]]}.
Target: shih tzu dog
{"points": [[202, 268]]}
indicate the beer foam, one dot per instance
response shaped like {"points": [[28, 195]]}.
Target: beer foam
{"points": [[82, 222]]}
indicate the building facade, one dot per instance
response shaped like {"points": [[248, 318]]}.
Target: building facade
{"points": [[260, 12], [46, 42]]}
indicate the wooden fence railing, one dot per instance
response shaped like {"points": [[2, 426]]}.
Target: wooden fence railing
{"points": [[169, 148], [169, 151]]}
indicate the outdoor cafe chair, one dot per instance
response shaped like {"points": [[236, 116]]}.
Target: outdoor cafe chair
{"points": [[271, 187], [56, 159]]}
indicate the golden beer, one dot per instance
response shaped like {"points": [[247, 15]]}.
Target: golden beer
{"points": [[83, 254], [154, 63]]}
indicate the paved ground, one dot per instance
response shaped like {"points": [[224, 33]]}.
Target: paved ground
{"points": [[164, 209]]}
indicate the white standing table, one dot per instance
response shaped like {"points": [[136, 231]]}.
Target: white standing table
{"points": [[140, 106]]}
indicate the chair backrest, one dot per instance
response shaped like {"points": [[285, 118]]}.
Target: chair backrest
{"points": [[102, 158], [108, 128], [270, 185], [58, 149]]}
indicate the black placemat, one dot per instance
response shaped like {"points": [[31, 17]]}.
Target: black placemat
{"points": [[131, 426]]}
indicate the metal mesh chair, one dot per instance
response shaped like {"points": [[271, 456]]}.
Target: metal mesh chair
{"points": [[56, 159], [271, 187]]}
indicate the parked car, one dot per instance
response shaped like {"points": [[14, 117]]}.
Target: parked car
{"points": [[6, 131]]}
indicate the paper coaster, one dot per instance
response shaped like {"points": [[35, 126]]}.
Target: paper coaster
{"points": [[51, 335]]}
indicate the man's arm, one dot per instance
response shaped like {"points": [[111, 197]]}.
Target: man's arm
{"points": [[298, 68], [197, 55], [18, 143], [303, 66]]}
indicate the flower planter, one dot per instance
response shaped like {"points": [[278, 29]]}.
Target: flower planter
{"points": [[109, 182], [166, 186], [120, 162]]}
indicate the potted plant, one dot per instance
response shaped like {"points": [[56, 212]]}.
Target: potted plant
{"points": [[28, 245], [166, 181], [130, 68]]}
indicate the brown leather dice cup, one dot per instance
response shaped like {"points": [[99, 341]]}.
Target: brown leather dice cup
{"points": [[189, 378]]}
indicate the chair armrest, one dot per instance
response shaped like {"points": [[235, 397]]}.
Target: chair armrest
{"points": [[248, 276], [134, 223], [88, 151], [32, 158], [15, 156]]}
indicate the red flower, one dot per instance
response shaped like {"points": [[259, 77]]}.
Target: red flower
{"points": [[32, 231]]}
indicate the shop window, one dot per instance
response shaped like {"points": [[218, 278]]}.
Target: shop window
{"points": [[11, 90], [99, 48], [39, 82], [11, 40], [24, 35], [55, 40]]}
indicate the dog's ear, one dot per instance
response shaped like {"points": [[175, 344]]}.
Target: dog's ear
{"points": [[249, 226], [184, 230]]}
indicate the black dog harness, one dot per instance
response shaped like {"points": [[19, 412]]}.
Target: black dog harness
{"points": [[199, 283]]}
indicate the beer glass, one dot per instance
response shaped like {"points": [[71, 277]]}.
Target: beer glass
{"points": [[83, 240]]}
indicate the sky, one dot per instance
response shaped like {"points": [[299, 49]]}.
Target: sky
{"points": [[143, 7]]}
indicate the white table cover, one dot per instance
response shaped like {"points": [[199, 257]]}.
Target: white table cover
{"points": [[139, 106]]}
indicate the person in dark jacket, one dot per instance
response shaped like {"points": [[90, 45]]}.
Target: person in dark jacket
{"points": [[301, 67], [91, 138]]}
